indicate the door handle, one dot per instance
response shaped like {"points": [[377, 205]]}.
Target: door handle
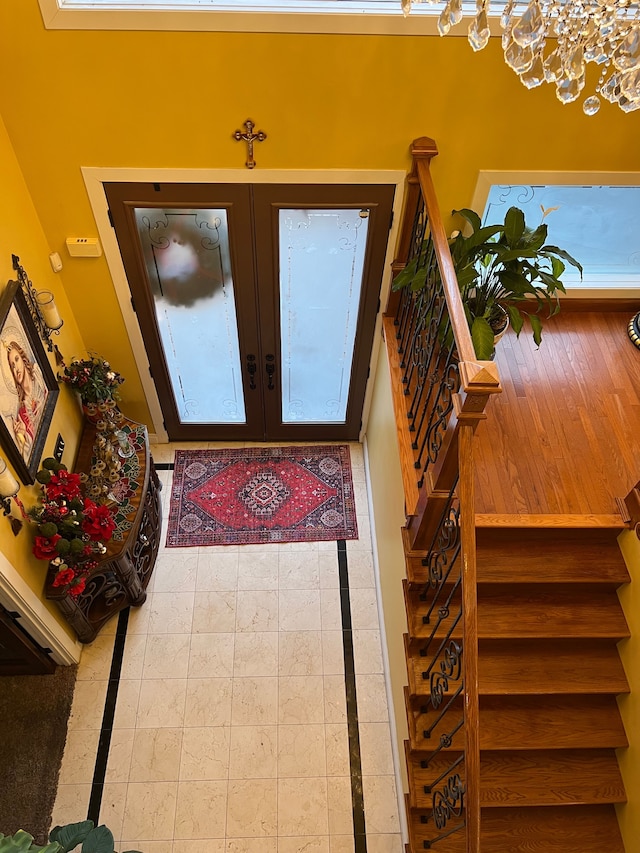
{"points": [[270, 367], [251, 370]]}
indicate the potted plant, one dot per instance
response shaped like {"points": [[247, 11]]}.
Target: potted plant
{"points": [[94, 839], [95, 381], [501, 270]]}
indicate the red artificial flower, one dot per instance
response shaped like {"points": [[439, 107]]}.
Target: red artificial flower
{"points": [[64, 577], [98, 521], [44, 547], [77, 588], [63, 484]]}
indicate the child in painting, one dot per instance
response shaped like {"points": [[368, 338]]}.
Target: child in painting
{"points": [[32, 394]]}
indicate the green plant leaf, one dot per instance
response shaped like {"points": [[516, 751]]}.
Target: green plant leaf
{"points": [[535, 239], [517, 320], [470, 215], [557, 267], [22, 842], [514, 226], [482, 337], [562, 254], [71, 834], [536, 325], [99, 840]]}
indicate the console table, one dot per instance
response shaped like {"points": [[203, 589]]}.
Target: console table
{"points": [[121, 577]]}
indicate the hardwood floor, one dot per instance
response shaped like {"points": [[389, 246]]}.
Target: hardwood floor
{"points": [[564, 436]]}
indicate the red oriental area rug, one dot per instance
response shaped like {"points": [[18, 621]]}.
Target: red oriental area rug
{"points": [[260, 495]]}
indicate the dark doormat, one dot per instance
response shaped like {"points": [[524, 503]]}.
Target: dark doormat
{"points": [[34, 712]]}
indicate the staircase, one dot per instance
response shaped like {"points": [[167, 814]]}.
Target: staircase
{"points": [[548, 672]]}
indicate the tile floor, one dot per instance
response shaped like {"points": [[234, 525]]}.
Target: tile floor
{"points": [[230, 728]]}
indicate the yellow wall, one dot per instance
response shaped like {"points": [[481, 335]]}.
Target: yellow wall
{"points": [[143, 99], [21, 234], [388, 509], [629, 814], [172, 100]]}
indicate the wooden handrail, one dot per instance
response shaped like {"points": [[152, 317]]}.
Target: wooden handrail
{"points": [[440, 392]]}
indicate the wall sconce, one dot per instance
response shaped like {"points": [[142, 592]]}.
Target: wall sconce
{"points": [[9, 488], [42, 308], [49, 311]]}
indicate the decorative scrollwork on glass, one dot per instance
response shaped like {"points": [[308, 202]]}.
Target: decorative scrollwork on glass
{"points": [[449, 801]]}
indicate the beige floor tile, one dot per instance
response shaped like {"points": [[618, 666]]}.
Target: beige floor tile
{"points": [[155, 756], [262, 844], [375, 749], [87, 708], [302, 808], [299, 610], [208, 702], [201, 809], [258, 820], [335, 703], [218, 570], [171, 612], [127, 704], [119, 761], [162, 703], [337, 745], [340, 805], [257, 610], [304, 844], [364, 609], [372, 698], [150, 811], [72, 802], [255, 701], [211, 656], [205, 753], [79, 758], [176, 570], [256, 653], [298, 570], [302, 751], [166, 656], [381, 804], [254, 752], [301, 699], [258, 569], [112, 806], [95, 660], [300, 653], [214, 611], [384, 843]]}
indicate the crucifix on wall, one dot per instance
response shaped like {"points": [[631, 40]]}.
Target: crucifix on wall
{"points": [[249, 137]]}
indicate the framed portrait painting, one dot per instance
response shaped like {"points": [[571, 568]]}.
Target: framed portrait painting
{"points": [[28, 386]]}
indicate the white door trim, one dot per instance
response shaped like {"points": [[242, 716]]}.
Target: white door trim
{"points": [[17, 595], [94, 177]]}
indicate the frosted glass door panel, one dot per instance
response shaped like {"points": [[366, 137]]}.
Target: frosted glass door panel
{"points": [[321, 264], [187, 258]]}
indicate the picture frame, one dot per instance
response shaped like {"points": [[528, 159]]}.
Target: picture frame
{"points": [[28, 385]]}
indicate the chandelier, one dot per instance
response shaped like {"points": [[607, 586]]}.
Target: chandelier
{"points": [[552, 41]]}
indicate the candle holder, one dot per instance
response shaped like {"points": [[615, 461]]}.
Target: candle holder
{"points": [[9, 488], [42, 308]]}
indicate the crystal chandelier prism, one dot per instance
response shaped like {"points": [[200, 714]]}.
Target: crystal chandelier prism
{"points": [[553, 41]]}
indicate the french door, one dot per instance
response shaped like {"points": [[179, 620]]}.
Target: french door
{"points": [[256, 303]]}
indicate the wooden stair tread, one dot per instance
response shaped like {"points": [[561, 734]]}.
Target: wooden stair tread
{"points": [[572, 555], [521, 667], [546, 829], [528, 722], [531, 777], [529, 610]]}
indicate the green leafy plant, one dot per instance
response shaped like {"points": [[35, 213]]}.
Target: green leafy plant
{"points": [[93, 379], [94, 839], [506, 272]]}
